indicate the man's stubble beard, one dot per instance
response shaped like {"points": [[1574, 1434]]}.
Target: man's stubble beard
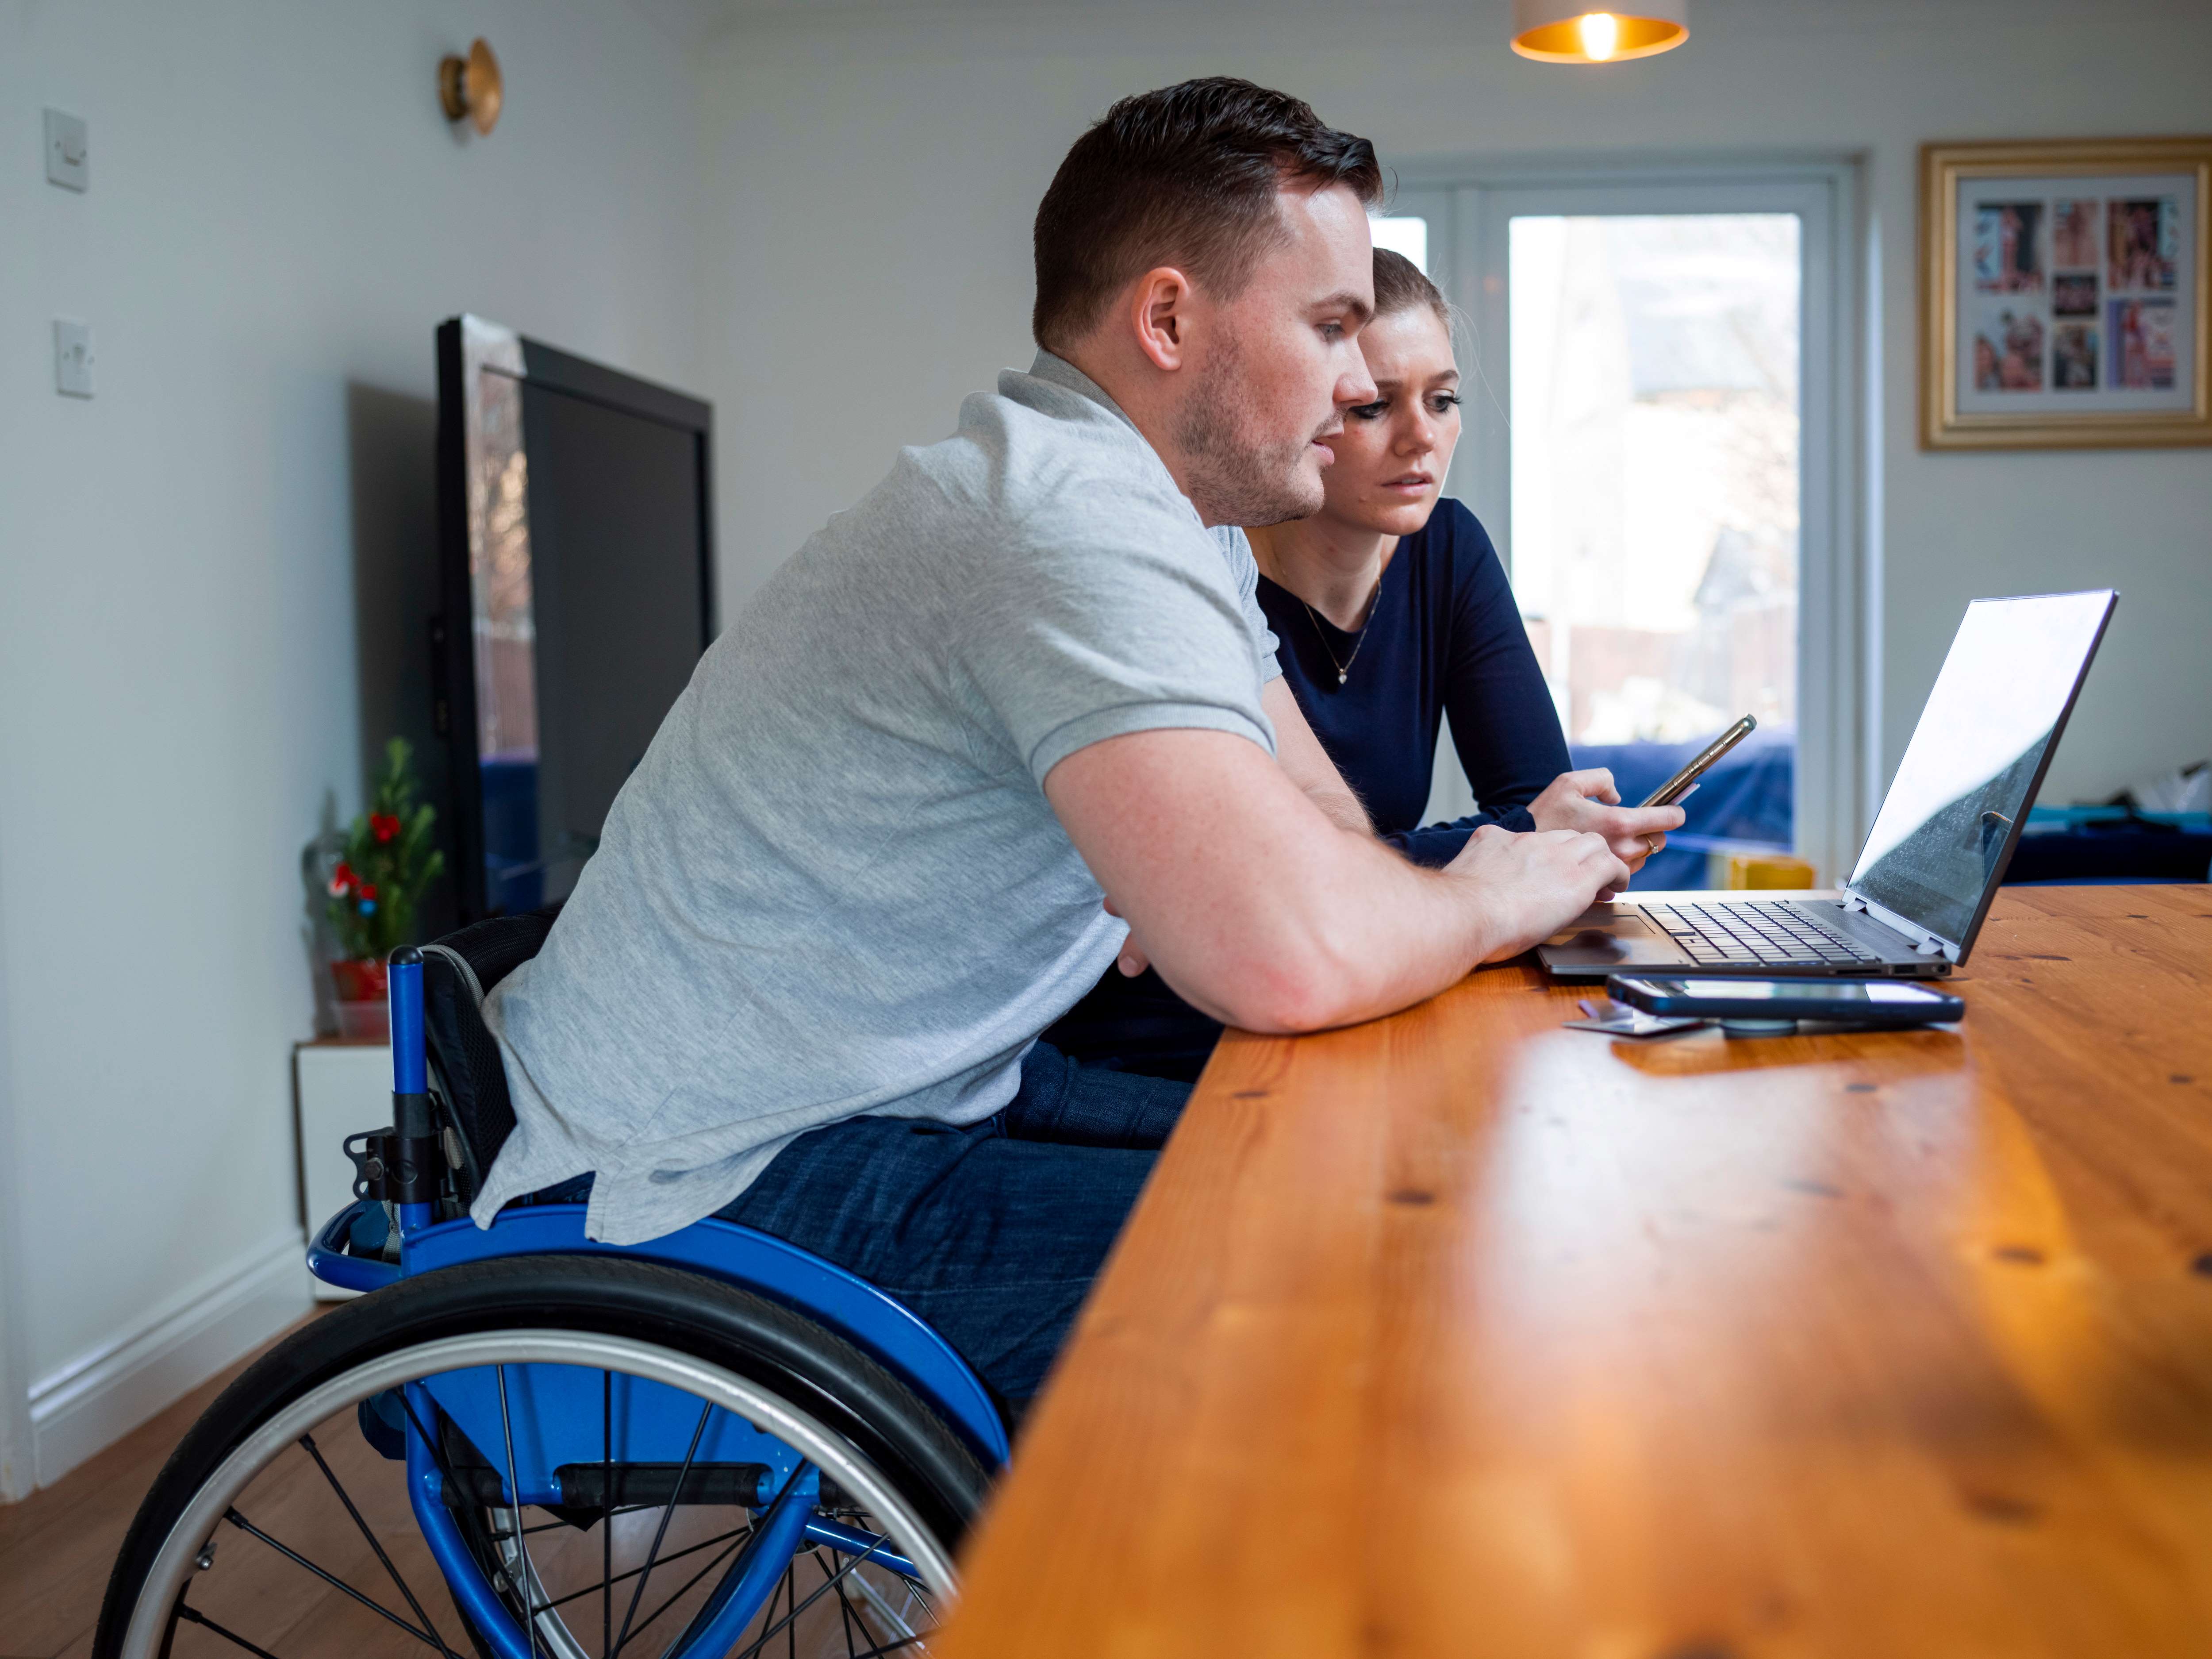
{"points": [[1232, 477]]}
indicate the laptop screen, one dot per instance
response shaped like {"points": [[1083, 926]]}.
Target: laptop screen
{"points": [[1970, 773]]}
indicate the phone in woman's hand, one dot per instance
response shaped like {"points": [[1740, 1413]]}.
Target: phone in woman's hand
{"points": [[1679, 785]]}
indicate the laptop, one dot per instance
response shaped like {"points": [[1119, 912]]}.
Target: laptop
{"points": [[1940, 844]]}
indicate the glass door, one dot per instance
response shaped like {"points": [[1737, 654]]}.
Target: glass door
{"points": [[1654, 481], [1654, 402]]}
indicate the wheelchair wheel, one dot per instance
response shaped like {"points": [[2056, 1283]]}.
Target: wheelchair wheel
{"points": [[573, 1456]]}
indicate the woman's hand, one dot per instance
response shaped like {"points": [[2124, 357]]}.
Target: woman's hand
{"points": [[1133, 961], [1587, 801]]}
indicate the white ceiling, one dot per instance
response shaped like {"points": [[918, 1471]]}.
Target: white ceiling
{"points": [[695, 23]]}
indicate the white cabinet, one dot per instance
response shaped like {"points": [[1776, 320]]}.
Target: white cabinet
{"points": [[341, 1090]]}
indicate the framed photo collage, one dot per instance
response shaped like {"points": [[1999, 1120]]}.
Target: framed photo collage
{"points": [[2064, 294]]}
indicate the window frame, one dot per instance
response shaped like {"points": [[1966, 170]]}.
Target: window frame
{"points": [[1470, 206]]}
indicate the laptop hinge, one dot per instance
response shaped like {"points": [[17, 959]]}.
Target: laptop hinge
{"points": [[1924, 943]]}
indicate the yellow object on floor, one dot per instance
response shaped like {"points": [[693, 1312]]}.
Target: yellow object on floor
{"points": [[1767, 869]]}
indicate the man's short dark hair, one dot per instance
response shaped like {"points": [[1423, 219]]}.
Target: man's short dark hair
{"points": [[1184, 176]]}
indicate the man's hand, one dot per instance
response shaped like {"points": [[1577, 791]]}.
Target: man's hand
{"points": [[1587, 801], [1531, 885]]}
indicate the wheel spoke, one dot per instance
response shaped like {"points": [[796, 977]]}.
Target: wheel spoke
{"points": [[845, 1614], [855, 1619], [661, 1532], [194, 1616], [738, 1566], [621, 1577], [646, 1623], [769, 1635], [896, 1619], [529, 1574], [344, 1498], [774, 1601], [331, 1578], [553, 1526]]}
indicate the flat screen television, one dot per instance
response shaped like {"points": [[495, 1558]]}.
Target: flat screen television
{"points": [[576, 593]]}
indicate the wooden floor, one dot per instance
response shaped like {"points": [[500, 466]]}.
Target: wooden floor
{"points": [[56, 1545]]}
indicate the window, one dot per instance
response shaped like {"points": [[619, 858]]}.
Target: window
{"points": [[1406, 235], [1655, 470], [1658, 411]]}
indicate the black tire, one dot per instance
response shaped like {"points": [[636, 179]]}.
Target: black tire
{"points": [[932, 1468]]}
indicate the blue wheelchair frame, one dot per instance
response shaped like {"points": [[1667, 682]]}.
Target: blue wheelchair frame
{"points": [[538, 1416]]}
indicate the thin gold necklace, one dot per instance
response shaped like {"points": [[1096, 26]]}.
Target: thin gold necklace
{"points": [[1344, 668]]}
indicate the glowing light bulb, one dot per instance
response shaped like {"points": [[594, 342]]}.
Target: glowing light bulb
{"points": [[1601, 33]]}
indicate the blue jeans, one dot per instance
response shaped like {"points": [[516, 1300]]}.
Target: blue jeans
{"points": [[992, 1232]]}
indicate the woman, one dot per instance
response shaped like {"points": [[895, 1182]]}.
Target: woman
{"points": [[1390, 610]]}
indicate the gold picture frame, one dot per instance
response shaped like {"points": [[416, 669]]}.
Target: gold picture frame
{"points": [[2111, 353]]}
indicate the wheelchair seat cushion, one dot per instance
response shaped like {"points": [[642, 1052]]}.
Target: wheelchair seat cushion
{"points": [[459, 971]]}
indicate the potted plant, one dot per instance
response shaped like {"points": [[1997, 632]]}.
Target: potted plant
{"points": [[386, 864]]}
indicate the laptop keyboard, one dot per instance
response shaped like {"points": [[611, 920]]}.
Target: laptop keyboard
{"points": [[1757, 931]]}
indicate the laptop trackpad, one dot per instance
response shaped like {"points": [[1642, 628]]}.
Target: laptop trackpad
{"points": [[1607, 936], [1600, 922]]}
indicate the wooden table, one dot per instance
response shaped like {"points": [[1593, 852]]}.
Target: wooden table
{"points": [[1459, 1333]]}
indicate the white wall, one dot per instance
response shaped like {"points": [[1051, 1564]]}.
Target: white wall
{"points": [[872, 174], [208, 573], [18, 1456], [278, 218]]}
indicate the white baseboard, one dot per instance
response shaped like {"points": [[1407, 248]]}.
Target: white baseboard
{"points": [[103, 1393]]}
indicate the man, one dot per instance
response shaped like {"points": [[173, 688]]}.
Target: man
{"points": [[1022, 690]]}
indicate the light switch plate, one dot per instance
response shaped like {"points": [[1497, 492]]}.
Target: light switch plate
{"points": [[72, 358], [69, 151]]}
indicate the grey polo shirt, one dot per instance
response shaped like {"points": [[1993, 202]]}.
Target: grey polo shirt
{"points": [[833, 884]]}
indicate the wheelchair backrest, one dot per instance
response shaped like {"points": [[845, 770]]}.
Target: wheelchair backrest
{"points": [[466, 1074]]}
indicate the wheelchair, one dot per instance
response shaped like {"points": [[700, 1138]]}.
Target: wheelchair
{"points": [[712, 1444]]}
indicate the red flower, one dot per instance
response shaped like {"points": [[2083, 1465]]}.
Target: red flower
{"points": [[383, 825]]}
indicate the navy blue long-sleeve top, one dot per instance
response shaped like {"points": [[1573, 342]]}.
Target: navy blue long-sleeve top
{"points": [[1445, 637]]}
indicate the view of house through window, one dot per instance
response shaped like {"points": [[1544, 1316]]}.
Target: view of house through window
{"points": [[1655, 470], [1402, 235]]}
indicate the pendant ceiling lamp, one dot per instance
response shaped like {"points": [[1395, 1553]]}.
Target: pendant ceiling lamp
{"points": [[1561, 32]]}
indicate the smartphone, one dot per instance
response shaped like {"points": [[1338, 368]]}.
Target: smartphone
{"points": [[1679, 785], [1861, 1002]]}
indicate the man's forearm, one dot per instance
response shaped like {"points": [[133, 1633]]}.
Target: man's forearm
{"points": [[1320, 926], [1341, 807], [1263, 912], [1365, 934]]}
